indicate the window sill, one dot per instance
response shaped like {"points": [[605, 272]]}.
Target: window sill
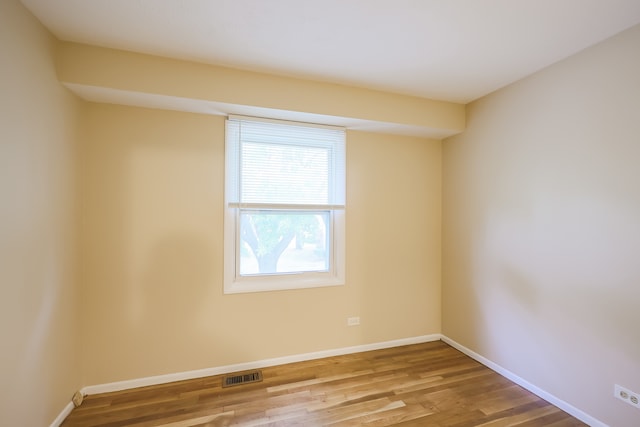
{"points": [[281, 283]]}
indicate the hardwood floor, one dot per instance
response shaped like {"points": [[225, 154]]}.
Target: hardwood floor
{"points": [[428, 384]]}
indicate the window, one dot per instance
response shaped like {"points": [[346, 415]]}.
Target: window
{"points": [[284, 205]]}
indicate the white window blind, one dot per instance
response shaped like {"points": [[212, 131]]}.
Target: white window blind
{"points": [[272, 164]]}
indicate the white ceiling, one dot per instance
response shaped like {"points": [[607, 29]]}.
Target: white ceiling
{"points": [[455, 50]]}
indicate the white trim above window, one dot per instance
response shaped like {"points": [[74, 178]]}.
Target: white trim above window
{"points": [[284, 205]]}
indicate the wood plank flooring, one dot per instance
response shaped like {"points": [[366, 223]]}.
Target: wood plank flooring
{"points": [[429, 384]]}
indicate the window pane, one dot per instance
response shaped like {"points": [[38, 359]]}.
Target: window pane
{"points": [[274, 242]]}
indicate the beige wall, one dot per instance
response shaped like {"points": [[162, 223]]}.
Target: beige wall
{"points": [[147, 207], [542, 229], [152, 209], [38, 358]]}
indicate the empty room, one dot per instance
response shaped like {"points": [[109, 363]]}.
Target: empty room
{"points": [[306, 212]]}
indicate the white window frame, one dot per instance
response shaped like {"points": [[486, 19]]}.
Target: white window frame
{"points": [[236, 283]]}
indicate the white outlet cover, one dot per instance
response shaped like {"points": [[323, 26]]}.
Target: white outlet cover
{"points": [[627, 396]]}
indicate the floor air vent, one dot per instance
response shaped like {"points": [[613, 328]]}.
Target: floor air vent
{"points": [[243, 378]]}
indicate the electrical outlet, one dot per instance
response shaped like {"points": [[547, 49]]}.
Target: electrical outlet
{"points": [[353, 321], [627, 395]]}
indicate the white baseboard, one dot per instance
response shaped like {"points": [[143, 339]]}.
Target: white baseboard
{"points": [[63, 415], [179, 376], [572, 410]]}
